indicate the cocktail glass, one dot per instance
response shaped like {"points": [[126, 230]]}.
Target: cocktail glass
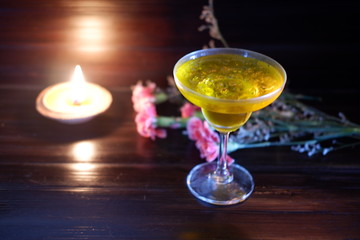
{"points": [[218, 182]]}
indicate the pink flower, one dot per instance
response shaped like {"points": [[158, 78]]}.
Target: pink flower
{"points": [[145, 123], [208, 150], [206, 139], [143, 99], [142, 94], [193, 128], [188, 110]]}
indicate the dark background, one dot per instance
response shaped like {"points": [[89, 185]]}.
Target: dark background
{"points": [[316, 41]]}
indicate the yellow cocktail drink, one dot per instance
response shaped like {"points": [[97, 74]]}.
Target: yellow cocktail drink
{"points": [[229, 87], [228, 84]]}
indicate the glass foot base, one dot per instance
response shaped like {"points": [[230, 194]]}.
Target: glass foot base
{"points": [[203, 185]]}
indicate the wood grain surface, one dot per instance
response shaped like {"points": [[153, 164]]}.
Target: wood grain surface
{"points": [[124, 186]]}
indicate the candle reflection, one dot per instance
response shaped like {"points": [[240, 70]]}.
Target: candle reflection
{"points": [[84, 151], [83, 168], [84, 171], [91, 33]]}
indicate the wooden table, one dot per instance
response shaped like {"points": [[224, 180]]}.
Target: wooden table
{"points": [[101, 180]]}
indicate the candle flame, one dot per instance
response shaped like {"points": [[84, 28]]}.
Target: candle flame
{"points": [[78, 84]]}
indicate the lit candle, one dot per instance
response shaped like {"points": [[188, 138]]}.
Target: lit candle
{"points": [[75, 101], [78, 93]]}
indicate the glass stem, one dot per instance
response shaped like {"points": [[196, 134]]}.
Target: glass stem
{"points": [[222, 173]]}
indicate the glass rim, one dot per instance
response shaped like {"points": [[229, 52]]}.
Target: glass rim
{"points": [[234, 51]]}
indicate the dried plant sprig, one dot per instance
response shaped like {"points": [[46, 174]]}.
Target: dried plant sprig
{"points": [[208, 15], [289, 122]]}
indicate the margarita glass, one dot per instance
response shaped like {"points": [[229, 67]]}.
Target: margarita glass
{"points": [[228, 84]]}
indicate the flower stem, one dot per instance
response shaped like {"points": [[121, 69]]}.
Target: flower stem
{"points": [[171, 122]]}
